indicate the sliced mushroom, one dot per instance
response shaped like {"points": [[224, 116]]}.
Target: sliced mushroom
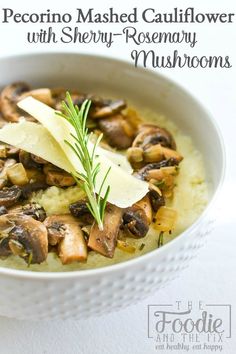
{"points": [[65, 231], [138, 217], [9, 196], [97, 101], [162, 174], [34, 210], [38, 159], [156, 198], [154, 154], [151, 145], [35, 175], [117, 131], [143, 172], [12, 151], [58, 92], [100, 107], [59, 95], [150, 134], [42, 94], [9, 98], [80, 210], [27, 160], [59, 178], [8, 151], [56, 229], [145, 204], [135, 221], [104, 241], [110, 109], [55, 176], [25, 237], [4, 247]]}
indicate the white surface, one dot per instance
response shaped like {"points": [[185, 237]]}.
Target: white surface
{"points": [[211, 277]]}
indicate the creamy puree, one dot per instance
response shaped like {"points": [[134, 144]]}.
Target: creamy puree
{"points": [[190, 199]]}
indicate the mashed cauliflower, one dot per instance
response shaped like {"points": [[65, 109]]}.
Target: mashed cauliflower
{"points": [[190, 199]]}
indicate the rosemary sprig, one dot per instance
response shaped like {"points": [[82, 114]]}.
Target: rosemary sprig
{"points": [[87, 180]]}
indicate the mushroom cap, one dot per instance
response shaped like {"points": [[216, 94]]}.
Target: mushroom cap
{"points": [[80, 210], [150, 134], [35, 210], [8, 99], [65, 231], [135, 221], [109, 109], [28, 161], [56, 228], [9, 196], [156, 199], [143, 172], [28, 232], [115, 131], [104, 241]]}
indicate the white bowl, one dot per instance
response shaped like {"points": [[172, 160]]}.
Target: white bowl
{"points": [[80, 294]]}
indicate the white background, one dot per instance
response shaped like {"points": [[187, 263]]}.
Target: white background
{"points": [[211, 277]]}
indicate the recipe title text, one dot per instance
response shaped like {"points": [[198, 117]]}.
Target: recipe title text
{"points": [[81, 28]]}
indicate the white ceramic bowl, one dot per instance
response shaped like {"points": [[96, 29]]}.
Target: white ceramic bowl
{"points": [[80, 294]]}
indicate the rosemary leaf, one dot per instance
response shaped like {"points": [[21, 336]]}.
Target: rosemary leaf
{"points": [[87, 179]]}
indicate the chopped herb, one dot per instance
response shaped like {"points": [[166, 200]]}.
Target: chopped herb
{"points": [[141, 247]]}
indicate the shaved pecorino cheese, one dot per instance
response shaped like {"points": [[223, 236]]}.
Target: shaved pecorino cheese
{"points": [[125, 189]]}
